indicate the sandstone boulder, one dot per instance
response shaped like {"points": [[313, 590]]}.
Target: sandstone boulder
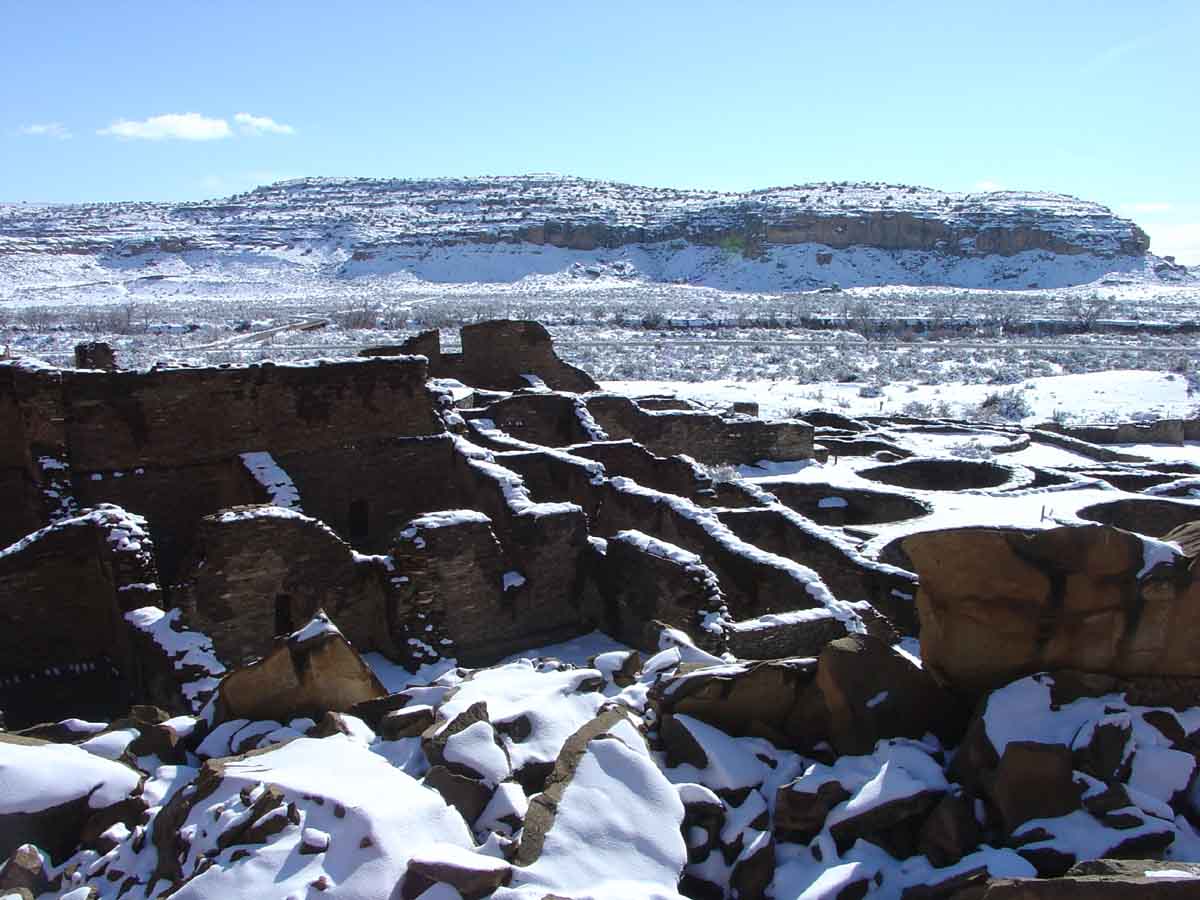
{"points": [[872, 692], [313, 671], [1155, 881], [767, 699], [950, 832], [472, 875], [857, 692], [25, 869], [50, 792], [1034, 781], [996, 604]]}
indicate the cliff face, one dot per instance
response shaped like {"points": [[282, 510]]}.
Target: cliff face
{"points": [[364, 216]]}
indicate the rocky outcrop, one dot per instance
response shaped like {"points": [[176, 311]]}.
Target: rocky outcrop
{"points": [[581, 214], [644, 583], [313, 671], [996, 604], [53, 791], [856, 693]]}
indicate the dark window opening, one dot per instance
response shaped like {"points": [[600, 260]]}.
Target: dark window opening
{"points": [[359, 519], [283, 614]]}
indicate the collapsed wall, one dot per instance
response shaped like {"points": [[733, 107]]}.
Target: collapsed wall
{"points": [[66, 589], [498, 355], [706, 436]]}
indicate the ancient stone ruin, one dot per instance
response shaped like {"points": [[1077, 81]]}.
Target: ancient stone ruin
{"points": [[855, 666]]}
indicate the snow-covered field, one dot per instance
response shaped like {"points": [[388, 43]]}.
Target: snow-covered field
{"points": [[1118, 395], [923, 351]]}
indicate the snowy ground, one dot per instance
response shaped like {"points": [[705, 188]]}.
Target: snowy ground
{"points": [[1100, 396]]}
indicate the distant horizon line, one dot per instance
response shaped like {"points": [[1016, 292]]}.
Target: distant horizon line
{"points": [[1017, 192]]}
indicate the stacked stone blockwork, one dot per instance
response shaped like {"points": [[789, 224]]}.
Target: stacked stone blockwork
{"points": [[268, 493]]}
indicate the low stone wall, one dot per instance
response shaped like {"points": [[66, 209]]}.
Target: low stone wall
{"points": [[1161, 431], [702, 435]]}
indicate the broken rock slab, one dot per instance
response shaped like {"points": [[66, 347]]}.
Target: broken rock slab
{"points": [[996, 604], [313, 671]]}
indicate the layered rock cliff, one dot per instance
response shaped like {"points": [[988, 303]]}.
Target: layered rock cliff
{"points": [[582, 214], [820, 233]]}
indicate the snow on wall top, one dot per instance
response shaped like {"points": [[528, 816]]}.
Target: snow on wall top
{"points": [[362, 213]]}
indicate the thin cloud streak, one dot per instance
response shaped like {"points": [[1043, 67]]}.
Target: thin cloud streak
{"points": [[192, 126], [56, 130], [256, 125]]}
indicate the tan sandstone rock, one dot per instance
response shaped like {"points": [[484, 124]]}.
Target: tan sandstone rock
{"points": [[315, 670], [996, 604]]}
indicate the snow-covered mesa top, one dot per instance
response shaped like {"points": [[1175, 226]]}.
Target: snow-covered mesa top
{"points": [[363, 212]]}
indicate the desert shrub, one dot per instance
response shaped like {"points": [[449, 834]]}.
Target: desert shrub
{"points": [[972, 449], [360, 316], [917, 409], [653, 319], [1010, 405]]}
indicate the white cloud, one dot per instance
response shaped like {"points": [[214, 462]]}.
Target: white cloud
{"points": [[1181, 241], [1145, 208], [56, 130], [988, 184], [171, 126], [256, 125]]}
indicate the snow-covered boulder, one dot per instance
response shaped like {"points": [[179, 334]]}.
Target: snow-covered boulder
{"points": [[50, 792]]}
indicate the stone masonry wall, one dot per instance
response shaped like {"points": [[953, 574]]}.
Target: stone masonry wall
{"points": [[176, 417]]}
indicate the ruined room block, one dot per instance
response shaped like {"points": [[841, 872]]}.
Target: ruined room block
{"points": [[65, 590], [672, 474], [478, 593], [706, 436], [645, 583], [174, 417], [367, 490], [848, 574], [256, 572], [544, 541], [500, 353], [451, 601], [551, 420], [173, 500], [556, 477], [754, 583]]}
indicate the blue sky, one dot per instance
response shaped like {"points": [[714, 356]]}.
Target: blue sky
{"points": [[183, 100]]}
